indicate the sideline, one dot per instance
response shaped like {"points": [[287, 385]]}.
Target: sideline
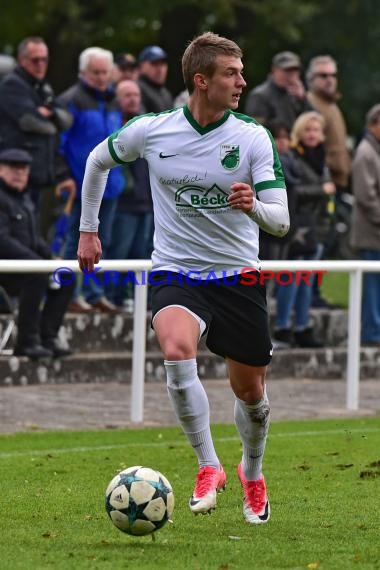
{"points": [[343, 431]]}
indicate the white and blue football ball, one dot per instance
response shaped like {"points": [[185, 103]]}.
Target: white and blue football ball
{"points": [[139, 500]]}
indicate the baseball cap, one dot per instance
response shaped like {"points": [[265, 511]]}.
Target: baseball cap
{"points": [[152, 53], [126, 61], [15, 156], [286, 60]]}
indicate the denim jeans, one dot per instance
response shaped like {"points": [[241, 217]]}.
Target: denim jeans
{"points": [[295, 297], [132, 238], [371, 300], [92, 291]]}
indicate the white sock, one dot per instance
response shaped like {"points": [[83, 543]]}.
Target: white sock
{"points": [[252, 422], [191, 407]]}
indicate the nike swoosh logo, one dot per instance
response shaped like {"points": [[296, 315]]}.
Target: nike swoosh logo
{"points": [[162, 155]]}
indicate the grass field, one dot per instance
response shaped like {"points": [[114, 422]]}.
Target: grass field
{"points": [[335, 288], [323, 480]]}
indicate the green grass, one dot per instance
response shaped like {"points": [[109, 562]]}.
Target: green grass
{"points": [[323, 480], [335, 288]]}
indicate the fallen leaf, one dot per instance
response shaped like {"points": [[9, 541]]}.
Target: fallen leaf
{"points": [[374, 464], [49, 535]]}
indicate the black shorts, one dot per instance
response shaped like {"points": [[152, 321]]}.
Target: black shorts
{"points": [[235, 314]]}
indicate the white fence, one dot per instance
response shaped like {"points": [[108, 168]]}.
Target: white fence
{"points": [[355, 269]]}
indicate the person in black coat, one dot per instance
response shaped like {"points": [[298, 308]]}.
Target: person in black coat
{"points": [[153, 67], [31, 119], [37, 328]]}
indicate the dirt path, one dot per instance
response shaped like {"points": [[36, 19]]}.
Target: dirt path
{"points": [[92, 406]]}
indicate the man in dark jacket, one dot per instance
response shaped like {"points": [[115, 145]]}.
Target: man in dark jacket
{"points": [[30, 118], [155, 96], [282, 96], [19, 239]]}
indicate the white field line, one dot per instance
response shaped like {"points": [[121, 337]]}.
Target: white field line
{"points": [[88, 449]]}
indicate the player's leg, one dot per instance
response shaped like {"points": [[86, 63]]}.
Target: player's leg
{"points": [[178, 331], [252, 421]]}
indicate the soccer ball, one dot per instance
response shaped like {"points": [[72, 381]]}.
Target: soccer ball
{"points": [[139, 500]]}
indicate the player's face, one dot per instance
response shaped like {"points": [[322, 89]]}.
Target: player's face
{"points": [[225, 87]]}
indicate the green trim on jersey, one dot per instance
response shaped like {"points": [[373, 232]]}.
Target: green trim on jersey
{"points": [[197, 126], [244, 118], [112, 137], [112, 150], [279, 181]]}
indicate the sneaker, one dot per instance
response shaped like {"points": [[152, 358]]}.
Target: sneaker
{"points": [[256, 508], [306, 339], [283, 338], [210, 481]]}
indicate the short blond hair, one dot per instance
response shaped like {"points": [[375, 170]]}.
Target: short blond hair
{"points": [[300, 125], [200, 56]]}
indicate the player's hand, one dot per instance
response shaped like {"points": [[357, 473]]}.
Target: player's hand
{"points": [[242, 197], [89, 250]]}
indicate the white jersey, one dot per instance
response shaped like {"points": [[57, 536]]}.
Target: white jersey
{"points": [[191, 172]]}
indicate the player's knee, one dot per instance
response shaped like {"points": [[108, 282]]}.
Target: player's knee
{"points": [[253, 394], [177, 350]]}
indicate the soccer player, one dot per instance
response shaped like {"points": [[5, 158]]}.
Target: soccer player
{"points": [[216, 178]]}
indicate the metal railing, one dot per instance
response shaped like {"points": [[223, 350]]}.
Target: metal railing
{"points": [[355, 268]]}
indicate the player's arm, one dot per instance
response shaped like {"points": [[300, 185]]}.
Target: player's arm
{"points": [[270, 212], [98, 165], [270, 206], [121, 147]]}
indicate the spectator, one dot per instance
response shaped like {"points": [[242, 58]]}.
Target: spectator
{"points": [[125, 67], [270, 246], [366, 221], [282, 96], [96, 115], [313, 190], [321, 77], [181, 99], [132, 234], [37, 329], [31, 118], [155, 96], [7, 64]]}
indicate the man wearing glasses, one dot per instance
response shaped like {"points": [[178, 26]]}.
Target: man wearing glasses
{"points": [[30, 118], [321, 77]]}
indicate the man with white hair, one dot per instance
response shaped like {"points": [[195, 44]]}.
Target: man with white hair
{"points": [[96, 115]]}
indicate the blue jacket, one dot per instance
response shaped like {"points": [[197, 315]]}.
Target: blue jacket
{"points": [[96, 116]]}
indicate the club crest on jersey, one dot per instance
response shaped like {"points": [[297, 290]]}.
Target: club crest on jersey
{"points": [[230, 156]]}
